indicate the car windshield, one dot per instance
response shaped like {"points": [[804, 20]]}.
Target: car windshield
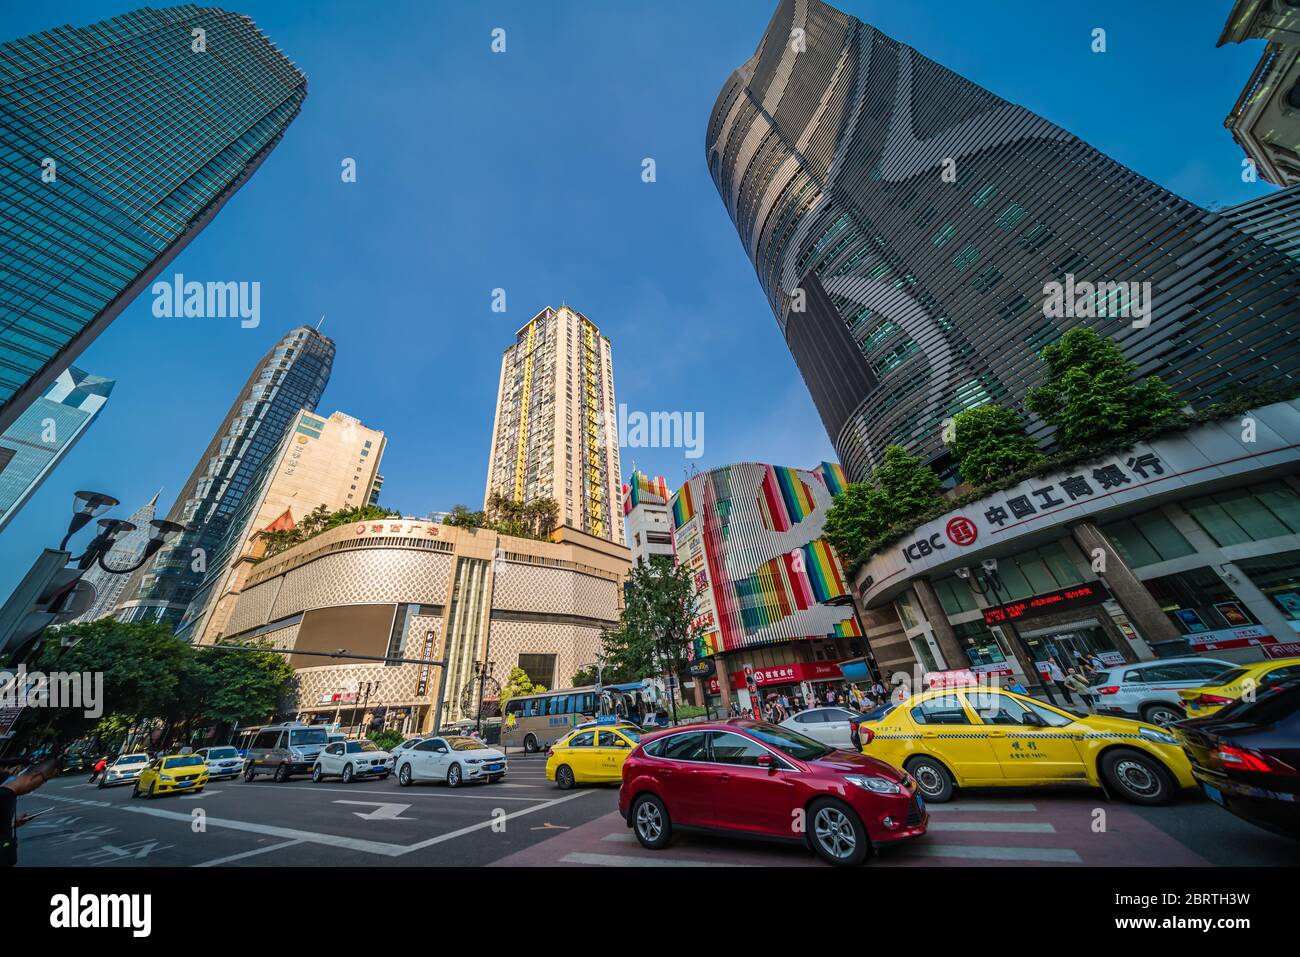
{"points": [[791, 742], [218, 753], [1100, 678], [879, 714], [188, 761], [132, 759], [466, 744], [307, 736], [355, 747]]}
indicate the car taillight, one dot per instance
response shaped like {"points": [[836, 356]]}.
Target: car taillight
{"points": [[1107, 689], [1208, 700], [550, 751], [1244, 759], [867, 734]]}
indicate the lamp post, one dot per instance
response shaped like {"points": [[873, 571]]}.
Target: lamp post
{"points": [[987, 581], [483, 669]]}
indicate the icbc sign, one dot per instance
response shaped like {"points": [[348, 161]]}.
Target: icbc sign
{"points": [[961, 531]]}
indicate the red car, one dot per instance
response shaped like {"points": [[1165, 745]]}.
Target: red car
{"points": [[758, 780]]}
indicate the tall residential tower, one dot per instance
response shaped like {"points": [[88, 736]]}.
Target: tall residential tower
{"points": [[554, 435], [906, 225], [290, 378], [119, 142]]}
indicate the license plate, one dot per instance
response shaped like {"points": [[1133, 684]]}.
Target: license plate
{"points": [[184, 784], [1213, 793], [920, 804], [494, 767]]}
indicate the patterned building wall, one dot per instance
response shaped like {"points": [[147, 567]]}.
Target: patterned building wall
{"points": [[556, 591], [574, 646], [362, 576]]}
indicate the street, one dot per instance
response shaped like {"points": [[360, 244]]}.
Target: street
{"points": [[526, 821]]}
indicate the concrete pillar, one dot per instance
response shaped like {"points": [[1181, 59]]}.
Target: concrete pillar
{"points": [[1142, 610], [953, 654]]}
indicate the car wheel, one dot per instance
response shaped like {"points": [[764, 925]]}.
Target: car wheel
{"points": [[530, 745], [282, 774], [404, 776], [383, 775], [347, 774], [316, 774], [135, 790], [152, 792], [933, 780], [1162, 715], [1137, 777], [837, 833], [564, 777], [493, 779], [249, 774], [453, 776], [650, 822]]}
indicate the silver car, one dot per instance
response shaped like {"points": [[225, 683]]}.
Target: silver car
{"points": [[223, 761], [1149, 689], [124, 769], [832, 726]]}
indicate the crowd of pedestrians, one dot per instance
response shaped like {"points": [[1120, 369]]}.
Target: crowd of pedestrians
{"points": [[779, 705]]}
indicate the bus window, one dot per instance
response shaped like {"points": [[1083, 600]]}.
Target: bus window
{"points": [[514, 707], [588, 703]]}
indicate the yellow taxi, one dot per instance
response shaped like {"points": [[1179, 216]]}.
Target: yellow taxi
{"points": [[1234, 682], [981, 737], [170, 774], [591, 755]]}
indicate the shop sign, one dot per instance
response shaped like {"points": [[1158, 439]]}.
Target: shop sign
{"points": [[1282, 649], [1231, 638], [956, 678], [1089, 593], [785, 674], [422, 686], [423, 529], [702, 668]]}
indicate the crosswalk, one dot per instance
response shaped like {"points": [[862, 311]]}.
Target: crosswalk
{"points": [[1056, 830]]}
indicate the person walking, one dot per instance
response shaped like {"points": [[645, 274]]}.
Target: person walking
{"points": [[1076, 683], [24, 782], [1057, 677], [98, 769]]}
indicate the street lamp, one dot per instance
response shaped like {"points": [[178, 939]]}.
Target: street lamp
{"points": [[87, 505], [483, 669]]}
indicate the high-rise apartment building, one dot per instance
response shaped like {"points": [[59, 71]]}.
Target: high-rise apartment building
{"points": [[128, 550], [907, 224], [119, 142], [40, 437], [554, 435], [645, 513], [289, 378], [323, 462]]}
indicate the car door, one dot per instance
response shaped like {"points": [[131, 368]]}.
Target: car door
{"points": [[329, 759], [1039, 749], [581, 756], [421, 758], [683, 773], [439, 759], [951, 733], [838, 729], [611, 749], [745, 796], [813, 723]]}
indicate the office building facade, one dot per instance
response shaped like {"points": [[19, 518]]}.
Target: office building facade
{"points": [[1265, 120], [290, 378], [554, 434], [410, 588], [772, 592], [119, 143], [37, 441], [647, 518], [906, 225], [322, 462]]}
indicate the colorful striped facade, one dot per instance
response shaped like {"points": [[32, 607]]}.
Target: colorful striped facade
{"points": [[642, 488], [752, 535]]}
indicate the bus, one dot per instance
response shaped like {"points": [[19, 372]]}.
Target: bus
{"points": [[536, 721]]}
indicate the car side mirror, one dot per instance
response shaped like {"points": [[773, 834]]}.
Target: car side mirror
{"points": [[1033, 720], [765, 761]]}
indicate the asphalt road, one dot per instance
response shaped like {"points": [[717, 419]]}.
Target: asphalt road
{"points": [[525, 820]]}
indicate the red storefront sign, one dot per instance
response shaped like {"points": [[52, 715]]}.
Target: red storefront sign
{"points": [[784, 675], [1283, 649]]}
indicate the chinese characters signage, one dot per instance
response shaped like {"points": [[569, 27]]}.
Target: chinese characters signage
{"points": [[1089, 593]]}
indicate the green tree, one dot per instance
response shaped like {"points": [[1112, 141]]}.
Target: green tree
{"points": [[858, 515], [461, 517], [989, 441], [320, 520], [901, 488], [1090, 393], [657, 626], [517, 683]]}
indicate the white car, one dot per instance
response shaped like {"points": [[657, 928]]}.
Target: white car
{"points": [[836, 727], [452, 759], [223, 762], [350, 760], [398, 751], [1149, 689], [124, 769]]}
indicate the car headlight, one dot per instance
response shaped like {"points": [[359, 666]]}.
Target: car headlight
{"points": [[1160, 737], [874, 784], [475, 760]]}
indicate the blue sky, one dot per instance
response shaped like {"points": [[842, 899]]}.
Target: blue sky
{"points": [[522, 171]]}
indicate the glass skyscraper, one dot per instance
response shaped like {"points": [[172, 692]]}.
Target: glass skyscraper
{"points": [[906, 223], [43, 434], [119, 142], [290, 378]]}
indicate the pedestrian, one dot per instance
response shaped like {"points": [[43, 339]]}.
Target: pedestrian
{"points": [[1016, 685], [24, 782], [1057, 677], [98, 769], [1075, 682]]}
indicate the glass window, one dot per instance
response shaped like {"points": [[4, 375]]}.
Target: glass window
{"points": [[954, 595], [730, 748], [1198, 600], [1147, 538], [816, 716], [608, 739], [691, 746], [1247, 515], [943, 709], [790, 742], [583, 739], [1278, 577], [994, 708]]}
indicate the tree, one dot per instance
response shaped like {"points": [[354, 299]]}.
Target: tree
{"points": [[317, 521], [517, 683], [234, 687], [506, 516], [461, 517], [901, 488], [1090, 393], [989, 441]]}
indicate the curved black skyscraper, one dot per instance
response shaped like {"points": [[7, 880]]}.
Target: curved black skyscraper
{"points": [[923, 294]]}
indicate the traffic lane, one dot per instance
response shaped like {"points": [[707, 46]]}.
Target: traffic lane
{"points": [[1221, 837]]}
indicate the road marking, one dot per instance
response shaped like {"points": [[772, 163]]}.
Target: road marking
{"points": [[1001, 827], [1008, 808], [381, 848], [626, 860], [621, 837], [452, 793], [252, 853], [383, 811], [1056, 855], [198, 797]]}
